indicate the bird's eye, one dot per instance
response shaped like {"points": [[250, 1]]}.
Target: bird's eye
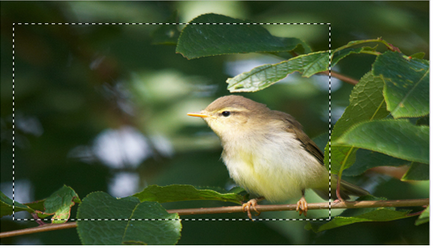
{"points": [[226, 113]]}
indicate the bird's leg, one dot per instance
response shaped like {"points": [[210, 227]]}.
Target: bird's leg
{"points": [[252, 204], [302, 205]]}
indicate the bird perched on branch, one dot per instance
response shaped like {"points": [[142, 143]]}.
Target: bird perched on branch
{"points": [[267, 153]]}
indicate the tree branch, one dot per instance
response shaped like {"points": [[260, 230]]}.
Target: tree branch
{"points": [[238, 209], [311, 206]]}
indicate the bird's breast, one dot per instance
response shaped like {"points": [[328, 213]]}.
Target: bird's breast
{"points": [[277, 168]]}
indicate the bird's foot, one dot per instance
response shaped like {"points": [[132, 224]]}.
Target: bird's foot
{"points": [[302, 206], [250, 204]]}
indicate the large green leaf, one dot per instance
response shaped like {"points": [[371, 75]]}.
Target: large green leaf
{"points": [[60, 203], [407, 84], [103, 219], [366, 103], [213, 34], [398, 138], [176, 192]]}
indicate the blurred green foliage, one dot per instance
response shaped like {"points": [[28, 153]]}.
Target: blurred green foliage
{"points": [[82, 92]]}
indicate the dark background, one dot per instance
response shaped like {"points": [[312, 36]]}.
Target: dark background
{"points": [[100, 108]]}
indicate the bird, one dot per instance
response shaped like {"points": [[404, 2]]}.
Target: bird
{"points": [[267, 153]]}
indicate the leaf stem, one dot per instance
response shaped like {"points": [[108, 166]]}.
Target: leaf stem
{"points": [[239, 209]]}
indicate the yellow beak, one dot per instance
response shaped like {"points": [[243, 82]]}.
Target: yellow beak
{"points": [[198, 115]]}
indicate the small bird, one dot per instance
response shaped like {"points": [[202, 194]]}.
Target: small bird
{"points": [[267, 153]]}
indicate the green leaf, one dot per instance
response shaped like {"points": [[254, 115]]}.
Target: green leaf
{"points": [[376, 215], [423, 218], [355, 215], [398, 138], [213, 34], [417, 171], [264, 76], [167, 34], [176, 192], [366, 159], [104, 219], [366, 103], [407, 84], [418, 55], [37, 205], [7, 207], [60, 203]]}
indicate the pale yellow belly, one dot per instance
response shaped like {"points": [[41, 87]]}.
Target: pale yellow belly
{"points": [[275, 176]]}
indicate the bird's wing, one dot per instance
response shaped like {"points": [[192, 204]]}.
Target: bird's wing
{"points": [[306, 142]]}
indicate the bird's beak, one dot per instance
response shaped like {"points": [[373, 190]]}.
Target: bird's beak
{"points": [[200, 114]]}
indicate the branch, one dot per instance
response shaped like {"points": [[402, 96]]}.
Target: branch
{"points": [[238, 209], [340, 77], [311, 206], [43, 228]]}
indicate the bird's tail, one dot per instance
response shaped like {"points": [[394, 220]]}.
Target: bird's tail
{"points": [[345, 191]]}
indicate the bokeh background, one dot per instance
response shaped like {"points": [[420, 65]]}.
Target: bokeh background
{"points": [[102, 108]]}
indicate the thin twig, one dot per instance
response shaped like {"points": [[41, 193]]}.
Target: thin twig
{"points": [[43, 228], [238, 209], [340, 77], [311, 206]]}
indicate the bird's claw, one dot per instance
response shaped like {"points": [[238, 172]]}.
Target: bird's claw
{"points": [[250, 204], [302, 206]]}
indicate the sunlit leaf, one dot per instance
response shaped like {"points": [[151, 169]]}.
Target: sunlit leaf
{"points": [[398, 138], [366, 103], [264, 76]]}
